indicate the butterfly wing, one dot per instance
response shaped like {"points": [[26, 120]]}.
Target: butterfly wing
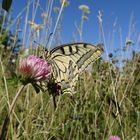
{"points": [[69, 60]]}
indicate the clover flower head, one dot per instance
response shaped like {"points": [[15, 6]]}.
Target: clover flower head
{"points": [[34, 68]]}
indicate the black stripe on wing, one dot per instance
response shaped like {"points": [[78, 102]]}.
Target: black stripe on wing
{"points": [[69, 49], [82, 54]]}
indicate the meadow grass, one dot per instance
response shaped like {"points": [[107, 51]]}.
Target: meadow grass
{"points": [[107, 100]]}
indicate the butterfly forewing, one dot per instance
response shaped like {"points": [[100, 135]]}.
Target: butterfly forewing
{"points": [[60, 65], [69, 60]]}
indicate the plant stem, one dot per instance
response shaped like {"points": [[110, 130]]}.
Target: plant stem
{"points": [[15, 98], [4, 129]]}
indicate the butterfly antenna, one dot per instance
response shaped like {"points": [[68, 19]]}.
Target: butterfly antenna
{"points": [[36, 42], [41, 46], [48, 39]]}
